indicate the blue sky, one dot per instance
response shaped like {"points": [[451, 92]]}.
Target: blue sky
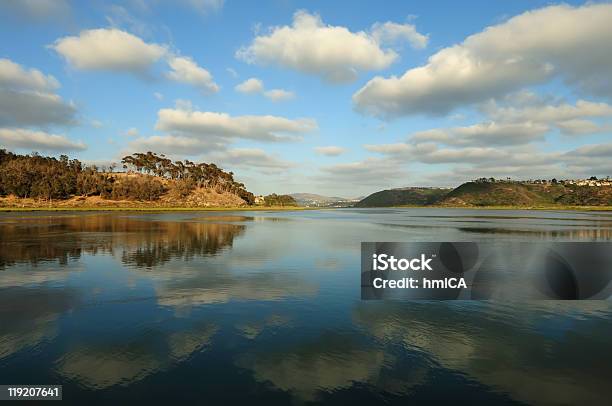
{"points": [[345, 98]]}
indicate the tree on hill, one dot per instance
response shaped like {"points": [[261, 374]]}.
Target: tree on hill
{"points": [[279, 200], [36, 176]]}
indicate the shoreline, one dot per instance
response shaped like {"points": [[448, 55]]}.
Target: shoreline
{"points": [[288, 208], [151, 209], [552, 208]]}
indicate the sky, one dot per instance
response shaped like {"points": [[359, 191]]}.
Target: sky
{"points": [[340, 98]]}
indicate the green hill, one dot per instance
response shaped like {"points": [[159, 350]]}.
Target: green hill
{"points": [[502, 194], [406, 196], [525, 194], [472, 194]]}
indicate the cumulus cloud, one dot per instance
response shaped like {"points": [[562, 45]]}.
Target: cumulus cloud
{"points": [[538, 110], [207, 124], [250, 86], [431, 153], [175, 144], [14, 76], [112, 49], [278, 95], [37, 140], [254, 86], [27, 98], [580, 127], [34, 108], [571, 43], [330, 150], [185, 70], [520, 162], [392, 33], [570, 119], [522, 118], [109, 49], [489, 133], [332, 52], [368, 172], [589, 160], [252, 158], [596, 150]]}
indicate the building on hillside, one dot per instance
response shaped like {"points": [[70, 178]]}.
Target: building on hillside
{"points": [[259, 199]]}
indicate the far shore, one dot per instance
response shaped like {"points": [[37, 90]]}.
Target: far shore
{"points": [[155, 209], [285, 208], [560, 207]]}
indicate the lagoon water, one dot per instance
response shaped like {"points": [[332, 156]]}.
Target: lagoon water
{"points": [[237, 307]]}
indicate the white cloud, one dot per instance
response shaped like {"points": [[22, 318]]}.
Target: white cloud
{"points": [[185, 70], [192, 132], [390, 32], [595, 150], [223, 126], [278, 95], [34, 108], [251, 85], [251, 158], [429, 152], [489, 133], [570, 119], [14, 76], [37, 140], [26, 98], [330, 150], [158, 96], [573, 43], [97, 124], [254, 85], [108, 49], [174, 144], [580, 127], [310, 46], [590, 160], [368, 172], [232, 72]]}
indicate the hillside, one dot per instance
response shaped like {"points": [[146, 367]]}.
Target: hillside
{"points": [[473, 194], [149, 180], [502, 194], [523, 194], [413, 196]]}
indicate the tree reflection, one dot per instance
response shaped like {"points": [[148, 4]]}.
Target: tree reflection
{"points": [[140, 242]]}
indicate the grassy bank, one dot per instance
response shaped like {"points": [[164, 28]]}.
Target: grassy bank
{"points": [[288, 208], [154, 209], [555, 207]]}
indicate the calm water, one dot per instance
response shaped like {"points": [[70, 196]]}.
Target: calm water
{"points": [[265, 307]]}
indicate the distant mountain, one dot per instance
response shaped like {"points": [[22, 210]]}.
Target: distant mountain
{"points": [[413, 196], [312, 197]]}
